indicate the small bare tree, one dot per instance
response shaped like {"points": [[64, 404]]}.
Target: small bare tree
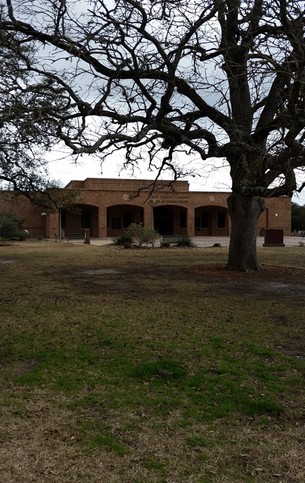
{"points": [[156, 78]]}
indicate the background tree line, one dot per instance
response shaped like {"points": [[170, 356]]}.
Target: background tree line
{"points": [[297, 217]]}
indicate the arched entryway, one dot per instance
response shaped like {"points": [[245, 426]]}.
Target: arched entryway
{"points": [[211, 221], [170, 220], [79, 218], [119, 217]]}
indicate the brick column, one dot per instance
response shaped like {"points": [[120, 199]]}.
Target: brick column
{"points": [[102, 221], [148, 216], [190, 220], [52, 225]]}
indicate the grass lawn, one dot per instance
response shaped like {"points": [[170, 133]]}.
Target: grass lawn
{"points": [[150, 365]]}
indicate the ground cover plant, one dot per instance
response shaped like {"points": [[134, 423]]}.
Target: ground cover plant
{"points": [[152, 365]]}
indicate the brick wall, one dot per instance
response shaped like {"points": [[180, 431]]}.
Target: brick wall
{"points": [[108, 204]]}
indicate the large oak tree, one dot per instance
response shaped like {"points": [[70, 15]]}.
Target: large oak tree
{"points": [[155, 78]]}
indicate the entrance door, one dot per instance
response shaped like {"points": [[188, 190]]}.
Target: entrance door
{"points": [[163, 220]]}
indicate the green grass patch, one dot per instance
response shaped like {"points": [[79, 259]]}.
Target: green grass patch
{"points": [[95, 435]]}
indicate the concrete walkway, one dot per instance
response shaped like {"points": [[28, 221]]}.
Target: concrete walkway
{"points": [[207, 241]]}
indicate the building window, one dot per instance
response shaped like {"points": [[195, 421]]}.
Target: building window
{"points": [[205, 222], [182, 219], [197, 223], [116, 223], [127, 219], [85, 219], [63, 219], [221, 219]]}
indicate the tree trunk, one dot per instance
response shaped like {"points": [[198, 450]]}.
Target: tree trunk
{"points": [[244, 213]]}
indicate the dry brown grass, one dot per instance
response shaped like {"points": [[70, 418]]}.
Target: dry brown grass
{"points": [[87, 396]]}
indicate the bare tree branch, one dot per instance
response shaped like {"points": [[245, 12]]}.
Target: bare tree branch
{"points": [[222, 79]]}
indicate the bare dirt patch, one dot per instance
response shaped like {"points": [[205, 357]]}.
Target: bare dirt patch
{"points": [[275, 279], [102, 271], [268, 273], [146, 281], [271, 284]]}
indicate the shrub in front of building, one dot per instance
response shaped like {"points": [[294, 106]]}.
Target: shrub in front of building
{"points": [[185, 242], [10, 227], [123, 240], [141, 235]]}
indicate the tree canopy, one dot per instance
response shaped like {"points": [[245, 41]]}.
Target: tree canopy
{"points": [[157, 78], [217, 78]]}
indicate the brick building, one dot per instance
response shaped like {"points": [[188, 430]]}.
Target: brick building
{"points": [[107, 206]]}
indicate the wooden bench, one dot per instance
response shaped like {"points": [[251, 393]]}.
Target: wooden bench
{"points": [[76, 236]]}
